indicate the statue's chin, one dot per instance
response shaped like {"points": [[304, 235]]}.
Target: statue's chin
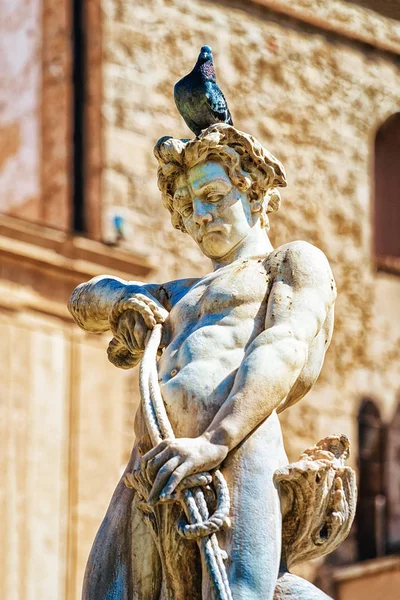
{"points": [[212, 247], [217, 247]]}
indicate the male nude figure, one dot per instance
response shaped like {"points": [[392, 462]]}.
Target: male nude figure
{"points": [[240, 344]]}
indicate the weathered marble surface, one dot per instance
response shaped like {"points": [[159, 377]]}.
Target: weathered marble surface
{"points": [[291, 587], [318, 501], [239, 345], [323, 134]]}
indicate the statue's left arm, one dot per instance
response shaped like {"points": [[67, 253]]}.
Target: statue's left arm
{"points": [[301, 298], [300, 301]]}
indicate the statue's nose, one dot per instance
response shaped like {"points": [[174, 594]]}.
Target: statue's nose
{"points": [[201, 213]]}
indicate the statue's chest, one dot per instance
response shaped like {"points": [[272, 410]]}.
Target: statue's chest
{"points": [[240, 289]]}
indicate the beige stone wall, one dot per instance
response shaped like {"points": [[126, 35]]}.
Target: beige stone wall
{"points": [[379, 578], [20, 34], [66, 414], [315, 100], [35, 111], [65, 436]]}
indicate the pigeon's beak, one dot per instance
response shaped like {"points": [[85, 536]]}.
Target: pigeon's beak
{"points": [[203, 56]]}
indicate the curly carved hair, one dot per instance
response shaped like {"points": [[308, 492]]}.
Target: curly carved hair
{"points": [[250, 167]]}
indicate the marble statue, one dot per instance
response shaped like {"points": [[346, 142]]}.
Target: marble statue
{"points": [[208, 506]]}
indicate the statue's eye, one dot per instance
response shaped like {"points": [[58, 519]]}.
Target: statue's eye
{"points": [[214, 197], [186, 210]]}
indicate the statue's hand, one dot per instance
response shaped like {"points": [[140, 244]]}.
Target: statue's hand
{"points": [[166, 465], [132, 317]]}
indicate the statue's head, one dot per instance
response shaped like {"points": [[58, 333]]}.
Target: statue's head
{"points": [[218, 186]]}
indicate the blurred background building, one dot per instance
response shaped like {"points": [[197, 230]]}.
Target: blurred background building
{"points": [[85, 92]]}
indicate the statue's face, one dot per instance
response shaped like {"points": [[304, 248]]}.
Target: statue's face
{"points": [[215, 213]]}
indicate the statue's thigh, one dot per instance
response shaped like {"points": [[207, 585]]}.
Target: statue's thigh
{"points": [[146, 571], [253, 543], [180, 559], [124, 562]]}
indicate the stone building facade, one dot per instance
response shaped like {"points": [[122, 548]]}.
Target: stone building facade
{"points": [[319, 85]]}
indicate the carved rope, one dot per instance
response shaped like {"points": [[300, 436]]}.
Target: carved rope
{"points": [[201, 526]]}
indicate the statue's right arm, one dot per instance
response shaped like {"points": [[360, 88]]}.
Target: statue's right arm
{"points": [[91, 302]]}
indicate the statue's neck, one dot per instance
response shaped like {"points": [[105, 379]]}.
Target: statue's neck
{"points": [[255, 245]]}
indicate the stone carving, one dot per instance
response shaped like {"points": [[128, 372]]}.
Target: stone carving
{"points": [[220, 357], [318, 503], [318, 496]]}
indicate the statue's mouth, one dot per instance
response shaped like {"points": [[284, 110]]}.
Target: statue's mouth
{"points": [[202, 234]]}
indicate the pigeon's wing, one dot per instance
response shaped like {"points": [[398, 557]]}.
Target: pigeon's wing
{"points": [[218, 105], [189, 102]]}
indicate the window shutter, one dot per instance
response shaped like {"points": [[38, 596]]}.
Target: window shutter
{"points": [[387, 195]]}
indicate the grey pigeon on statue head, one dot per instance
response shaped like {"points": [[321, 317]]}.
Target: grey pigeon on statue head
{"points": [[198, 97]]}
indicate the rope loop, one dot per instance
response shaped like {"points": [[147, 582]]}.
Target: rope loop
{"points": [[199, 526], [197, 480], [133, 303], [217, 520]]}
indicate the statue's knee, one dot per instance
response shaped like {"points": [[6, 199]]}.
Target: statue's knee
{"points": [[251, 584]]}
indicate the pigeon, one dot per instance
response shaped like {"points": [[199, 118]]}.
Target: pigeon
{"points": [[198, 97]]}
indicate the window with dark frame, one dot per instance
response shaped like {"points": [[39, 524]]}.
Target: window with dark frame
{"points": [[392, 480], [386, 225], [78, 224], [378, 508], [370, 515], [66, 191]]}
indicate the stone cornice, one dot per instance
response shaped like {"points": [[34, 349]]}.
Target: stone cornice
{"points": [[48, 264], [68, 254], [388, 264], [367, 568], [347, 20]]}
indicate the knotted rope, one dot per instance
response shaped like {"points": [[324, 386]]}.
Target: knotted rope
{"points": [[200, 525]]}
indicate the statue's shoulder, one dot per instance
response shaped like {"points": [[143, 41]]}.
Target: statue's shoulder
{"points": [[303, 264], [300, 252], [171, 292]]}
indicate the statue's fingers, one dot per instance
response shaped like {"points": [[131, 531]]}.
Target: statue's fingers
{"points": [[154, 451], [120, 356], [163, 477], [130, 335], [147, 314], [157, 309], [154, 464], [130, 339], [125, 337], [177, 476], [159, 312], [149, 301], [140, 331], [126, 323], [137, 305]]}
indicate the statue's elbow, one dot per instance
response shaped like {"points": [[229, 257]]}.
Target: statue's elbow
{"points": [[73, 305], [295, 355]]}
